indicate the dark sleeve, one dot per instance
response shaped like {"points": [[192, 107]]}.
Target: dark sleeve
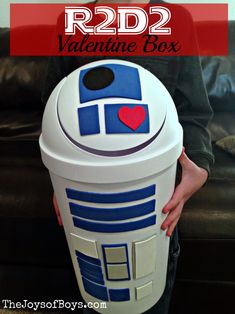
{"points": [[192, 102], [194, 112]]}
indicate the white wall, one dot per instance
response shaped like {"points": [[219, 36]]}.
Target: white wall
{"points": [[5, 4]]}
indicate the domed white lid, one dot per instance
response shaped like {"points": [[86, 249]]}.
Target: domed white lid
{"points": [[120, 126], [112, 108]]}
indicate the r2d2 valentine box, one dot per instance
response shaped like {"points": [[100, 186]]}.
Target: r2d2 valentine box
{"points": [[111, 140]]}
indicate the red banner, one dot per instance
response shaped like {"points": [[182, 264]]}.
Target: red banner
{"points": [[115, 30]]}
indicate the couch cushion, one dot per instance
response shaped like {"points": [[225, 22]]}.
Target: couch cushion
{"points": [[227, 143], [222, 124], [28, 222], [210, 213], [18, 125], [21, 81], [21, 78]]}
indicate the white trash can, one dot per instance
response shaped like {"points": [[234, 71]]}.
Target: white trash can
{"points": [[111, 140]]}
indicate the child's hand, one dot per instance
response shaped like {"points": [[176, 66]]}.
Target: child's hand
{"points": [[193, 178]]}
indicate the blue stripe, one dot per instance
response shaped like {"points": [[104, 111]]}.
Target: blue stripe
{"points": [[96, 278], [92, 197], [87, 258], [91, 268], [116, 227], [97, 291], [119, 294], [110, 214], [97, 274]]}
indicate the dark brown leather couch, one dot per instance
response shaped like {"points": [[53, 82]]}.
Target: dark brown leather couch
{"points": [[34, 259]]}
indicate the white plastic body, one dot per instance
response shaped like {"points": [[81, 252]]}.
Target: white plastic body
{"points": [[165, 187], [155, 164]]}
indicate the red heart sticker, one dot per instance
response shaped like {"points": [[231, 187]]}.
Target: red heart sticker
{"points": [[132, 117]]}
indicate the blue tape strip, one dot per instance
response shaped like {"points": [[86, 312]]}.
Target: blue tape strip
{"points": [[91, 268], [115, 227], [97, 291], [87, 258], [122, 197], [126, 84], [96, 278], [119, 294], [111, 214]]}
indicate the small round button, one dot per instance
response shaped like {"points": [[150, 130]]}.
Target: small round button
{"points": [[98, 78]]}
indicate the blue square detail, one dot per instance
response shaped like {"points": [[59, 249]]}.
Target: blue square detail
{"points": [[119, 294], [126, 84], [115, 126], [88, 118]]}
